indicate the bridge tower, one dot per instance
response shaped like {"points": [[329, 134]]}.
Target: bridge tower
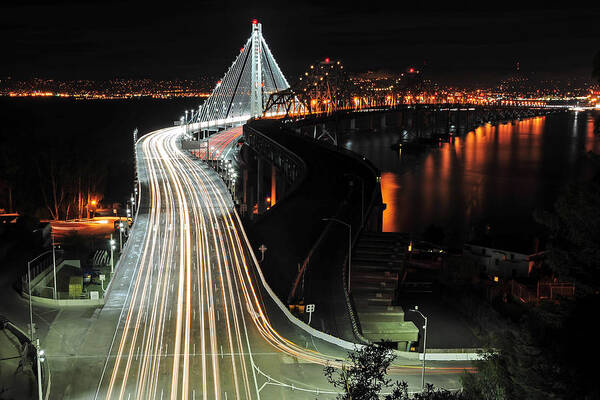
{"points": [[240, 95], [256, 104]]}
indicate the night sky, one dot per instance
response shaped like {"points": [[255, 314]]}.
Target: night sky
{"points": [[105, 39]]}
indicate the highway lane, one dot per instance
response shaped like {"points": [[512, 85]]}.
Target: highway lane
{"points": [[220, 145], [196, 322]]}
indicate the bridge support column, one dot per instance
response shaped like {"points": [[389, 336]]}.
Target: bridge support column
{"points": [[245, 191], [259, 187], [383, 122], [273, 185], [352, 124]]}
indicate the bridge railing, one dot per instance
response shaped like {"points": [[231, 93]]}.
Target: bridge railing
{"points": [[287, 161]]}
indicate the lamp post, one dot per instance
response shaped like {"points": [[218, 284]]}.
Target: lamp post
{"points": [[186, 123], [93, 202], [120, 236], [416, 310], [362, 194], [207, 147], [112, 260], [362, 199], [30, 308], [39, 354], [53, 260], [349, 245]]}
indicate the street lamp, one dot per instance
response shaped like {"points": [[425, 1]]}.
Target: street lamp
{"points": [[120, 236], [93, 202], [207, 147], [112, 260], [362, 195], [349, 245], [30, 308], [186, 123], [416, 310], [39, 359], [53, 260]]}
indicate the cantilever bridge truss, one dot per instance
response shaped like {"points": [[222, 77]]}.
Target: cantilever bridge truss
{"points": [[245, 88]]}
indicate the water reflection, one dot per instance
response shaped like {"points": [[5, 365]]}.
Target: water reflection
{"points": [[497, 174]]}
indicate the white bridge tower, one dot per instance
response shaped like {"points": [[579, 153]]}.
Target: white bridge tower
{"points": [[245, 88]]}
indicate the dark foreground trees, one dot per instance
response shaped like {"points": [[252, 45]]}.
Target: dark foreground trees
{"points": [[550, 351], [364, 377]]}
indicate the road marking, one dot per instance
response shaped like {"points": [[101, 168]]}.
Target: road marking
{"points": [[218, 315], [221, 351]]}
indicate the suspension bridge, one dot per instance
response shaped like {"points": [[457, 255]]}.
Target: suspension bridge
{"points": [[189, 314], [243, 91]]}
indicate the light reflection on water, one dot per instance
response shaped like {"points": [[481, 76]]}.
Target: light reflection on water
{"points": [[497, 175]]}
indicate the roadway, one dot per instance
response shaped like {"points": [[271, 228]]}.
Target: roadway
{"points": [[196, 321], [220, 146]]}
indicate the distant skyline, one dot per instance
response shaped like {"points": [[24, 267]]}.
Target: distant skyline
{"points": [[457, 44]]}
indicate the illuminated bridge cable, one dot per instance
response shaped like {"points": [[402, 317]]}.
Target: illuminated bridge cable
{"points": [[238, 82], [240, 94]]}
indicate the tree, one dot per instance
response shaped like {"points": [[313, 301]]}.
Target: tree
{"points": [[491, 382], [9, 175], [574, 229], [540, 357], [364, 377]]}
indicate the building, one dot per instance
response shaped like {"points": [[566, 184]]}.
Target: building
{"points": [[505, 261]]}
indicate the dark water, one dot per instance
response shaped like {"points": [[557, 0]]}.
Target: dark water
{"points": [[80, 134], [495, 175]]}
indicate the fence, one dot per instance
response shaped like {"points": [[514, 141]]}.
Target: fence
{"points": [[545, 290], [39, 268]]}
